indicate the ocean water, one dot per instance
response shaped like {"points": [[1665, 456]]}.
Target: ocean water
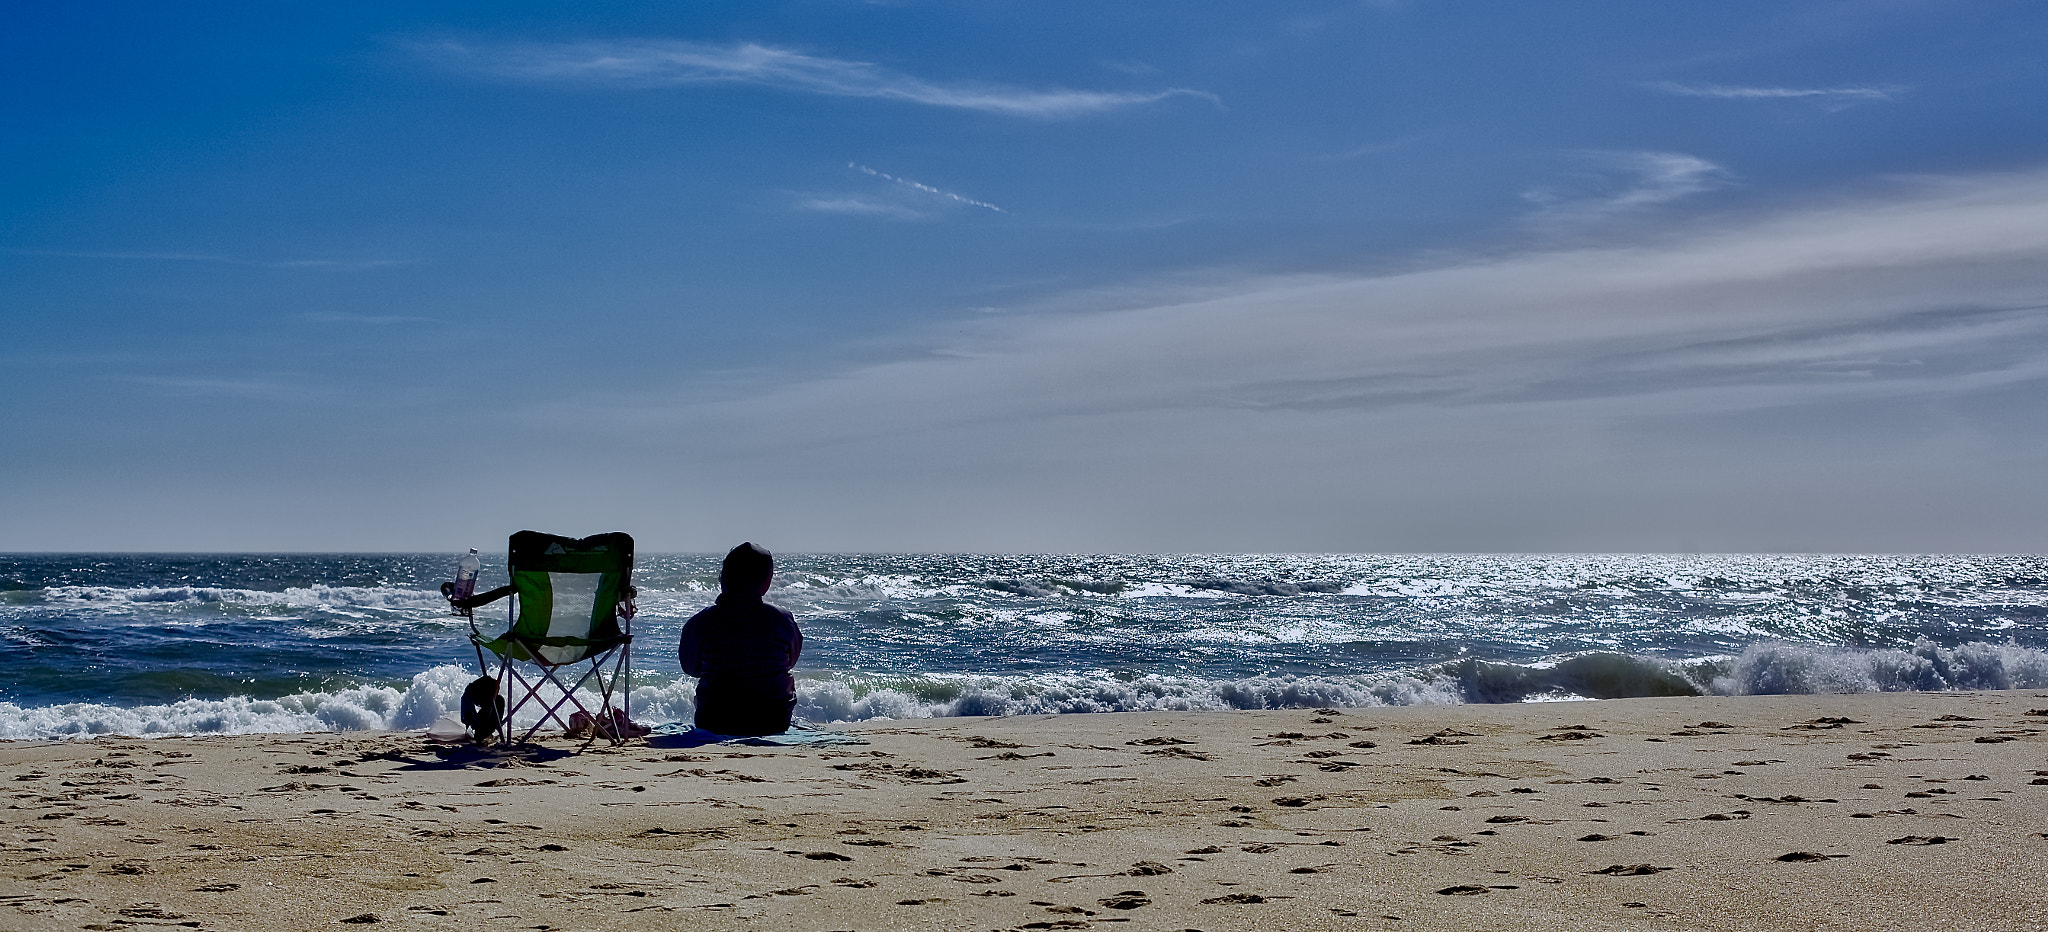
{"points": [[155, 644]]}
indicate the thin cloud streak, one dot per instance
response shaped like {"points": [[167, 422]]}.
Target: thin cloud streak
{"points": [[1631, 181], [1377, 148], [857, 207], [678, 63], [374, 320], [252, 389], [1835, 97], [344, 264]]}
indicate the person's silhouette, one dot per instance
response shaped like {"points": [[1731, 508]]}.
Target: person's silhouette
{"points": [[741, 650]]}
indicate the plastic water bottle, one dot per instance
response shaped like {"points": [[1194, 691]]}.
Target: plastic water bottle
{"points": [[466, 570]]}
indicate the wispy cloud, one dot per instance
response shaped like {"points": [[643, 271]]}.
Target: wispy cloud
{"points": [[1757, 366], [673, 63], [254, 389], [368, 320], [854, 205], [1943, 272], [1616, 182], [211, 258], [1376, 148], [924, 188], [1833, 98]]}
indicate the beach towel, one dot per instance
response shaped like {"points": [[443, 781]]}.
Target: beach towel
{"points": [[686, 735]]}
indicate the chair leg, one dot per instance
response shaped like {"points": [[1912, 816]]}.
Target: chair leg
{"points": [[549, 712], [529, 692], [526, 695], [504, 690], [553, 711]]}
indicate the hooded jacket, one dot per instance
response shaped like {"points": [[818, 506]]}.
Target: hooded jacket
{"points": [[741, 645]]}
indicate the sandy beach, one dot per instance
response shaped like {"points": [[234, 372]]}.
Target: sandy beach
{"points": [[1875, 811]]}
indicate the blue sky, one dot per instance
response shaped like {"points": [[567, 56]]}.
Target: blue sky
{"points": [[1402, 275]]}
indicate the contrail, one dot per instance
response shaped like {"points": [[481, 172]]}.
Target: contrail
{"points": [[928, 189]]}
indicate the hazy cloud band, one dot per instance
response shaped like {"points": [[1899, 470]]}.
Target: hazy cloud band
{"points": [[673, 63]]}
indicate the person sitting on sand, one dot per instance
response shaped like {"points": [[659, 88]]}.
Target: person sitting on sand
{"points": [[741, 650]]}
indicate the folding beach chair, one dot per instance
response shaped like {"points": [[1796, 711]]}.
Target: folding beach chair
{"points": [[572, 605]]}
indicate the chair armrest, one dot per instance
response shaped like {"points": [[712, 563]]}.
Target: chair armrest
{"points": [[481, 598]]}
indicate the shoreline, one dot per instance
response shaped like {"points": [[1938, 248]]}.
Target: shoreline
{"points": [[1608, 814]]}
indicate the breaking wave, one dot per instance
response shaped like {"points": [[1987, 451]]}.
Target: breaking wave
{"points": [[343, 600], [1763, 669]]}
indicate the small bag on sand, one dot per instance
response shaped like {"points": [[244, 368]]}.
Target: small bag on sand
{"points": [[483, 707]]}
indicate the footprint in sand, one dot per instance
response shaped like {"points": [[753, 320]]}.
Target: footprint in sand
{"points": [[1445, 737], [1921, 840], [1234, 899], [1129, 899], [1634, 870], [1795, 857]]}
